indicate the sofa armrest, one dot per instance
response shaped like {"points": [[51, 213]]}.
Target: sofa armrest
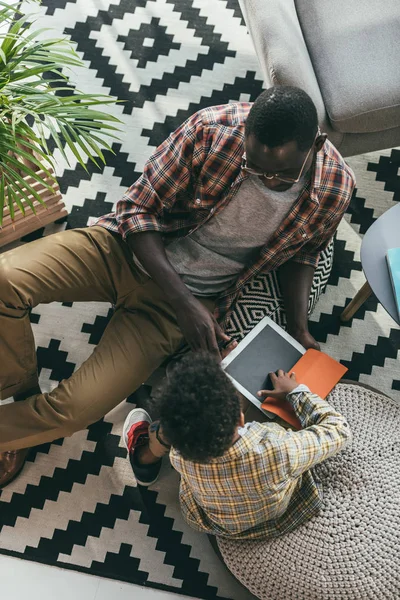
{"points": [[281, 49]]}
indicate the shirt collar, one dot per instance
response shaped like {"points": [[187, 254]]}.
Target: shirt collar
{"points": [[249, 436]]}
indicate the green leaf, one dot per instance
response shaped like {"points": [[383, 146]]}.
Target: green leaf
{"points": [[102, 142], [10, 202], [96, 126], [32, 72], [11, 38], [56, 138], [76, 135], [39, 126], [14, 119], [86, 150], [16, 200], [91, 142], [72, 146], [15, 180], [29, 157], [25, 135], [90, 114], [28, 172], [19, 185]]}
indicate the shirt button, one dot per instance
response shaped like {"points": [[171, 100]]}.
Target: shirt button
{"points": [[304, 235], [198, 201], [211, 211]]}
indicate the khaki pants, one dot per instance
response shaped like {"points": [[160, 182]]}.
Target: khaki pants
{"points": [[74, 266]]}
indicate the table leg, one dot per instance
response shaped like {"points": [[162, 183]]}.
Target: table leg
{"points": [[362, 295]]}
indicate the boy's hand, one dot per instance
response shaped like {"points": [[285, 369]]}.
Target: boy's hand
{"points": [[283, 384]]}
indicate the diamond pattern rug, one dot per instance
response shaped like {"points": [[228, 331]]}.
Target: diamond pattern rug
{"points": [[75, 504]]}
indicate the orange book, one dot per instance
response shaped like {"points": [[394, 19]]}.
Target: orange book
{"points": [[319, 372]]}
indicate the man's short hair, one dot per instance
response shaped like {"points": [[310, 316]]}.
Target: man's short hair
{"points": [[199, 408], [282, 114]]}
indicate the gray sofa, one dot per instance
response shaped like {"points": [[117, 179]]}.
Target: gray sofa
{"points": [[345, 54]]}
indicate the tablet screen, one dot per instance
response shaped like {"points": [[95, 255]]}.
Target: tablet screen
{"points": [[267, 352]]}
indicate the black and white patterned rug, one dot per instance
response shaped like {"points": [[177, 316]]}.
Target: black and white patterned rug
{"points": [[76, 504]]}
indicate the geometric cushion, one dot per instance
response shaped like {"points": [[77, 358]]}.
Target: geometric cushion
{"points": [[262, 296], [354, 48], [351, 549]]}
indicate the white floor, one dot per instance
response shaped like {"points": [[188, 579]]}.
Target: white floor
{"points": [[23, 579]]}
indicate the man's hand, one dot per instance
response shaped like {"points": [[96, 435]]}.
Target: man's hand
{"points": [[199, 327], [305, 338], [228, 349], [283, 384]]}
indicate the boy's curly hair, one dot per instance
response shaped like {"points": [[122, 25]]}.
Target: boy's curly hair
{"points": [[199, 408]]}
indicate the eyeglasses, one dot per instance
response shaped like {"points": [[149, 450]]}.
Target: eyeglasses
{"points": [[251, 171]]}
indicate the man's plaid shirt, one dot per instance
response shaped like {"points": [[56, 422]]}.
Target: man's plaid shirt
{"points": [[197, 171], [263, 487]]}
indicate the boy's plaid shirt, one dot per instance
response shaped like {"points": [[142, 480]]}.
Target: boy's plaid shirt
{"points": [[263, 487], [197, 171]]}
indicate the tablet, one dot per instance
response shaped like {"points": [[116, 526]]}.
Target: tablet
{"points": [[265, 349]]}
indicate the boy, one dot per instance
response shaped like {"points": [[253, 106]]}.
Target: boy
{"points": [[238, 480]]}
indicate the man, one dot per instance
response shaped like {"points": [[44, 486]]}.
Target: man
{"points": [[236, 190]]}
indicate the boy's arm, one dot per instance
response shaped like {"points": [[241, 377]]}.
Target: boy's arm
{"points": [[324, 433]]}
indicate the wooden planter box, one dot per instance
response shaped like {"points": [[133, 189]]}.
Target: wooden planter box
{"points": [[53, 209]]}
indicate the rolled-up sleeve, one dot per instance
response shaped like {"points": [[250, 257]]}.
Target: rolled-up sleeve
{"points": [[309, 254], [166, 173], [325, 433], [336, 204]]}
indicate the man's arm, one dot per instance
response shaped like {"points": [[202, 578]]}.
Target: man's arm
{"points": [[168, 171], [198, 325], [296, 281], [171, 169], [296, 276]]}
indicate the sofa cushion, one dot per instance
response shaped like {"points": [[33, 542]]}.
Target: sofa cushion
{"points": [[355, 51]]}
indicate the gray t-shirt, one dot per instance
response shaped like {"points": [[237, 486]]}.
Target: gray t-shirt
{"points": [[211, 258]]}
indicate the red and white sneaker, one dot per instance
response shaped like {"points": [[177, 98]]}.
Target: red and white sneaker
{"points": [[136, 434]]}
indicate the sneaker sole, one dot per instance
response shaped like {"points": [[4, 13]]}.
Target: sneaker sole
{"points": [[140, 412], [145, 483]]}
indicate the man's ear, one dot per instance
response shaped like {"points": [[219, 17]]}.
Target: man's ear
{"points": [[320, 141]]}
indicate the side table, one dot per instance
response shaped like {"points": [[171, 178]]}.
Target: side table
{"points": [[382, 235]]}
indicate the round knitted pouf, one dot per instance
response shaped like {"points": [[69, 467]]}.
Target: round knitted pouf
{"points": [[351, 549]]}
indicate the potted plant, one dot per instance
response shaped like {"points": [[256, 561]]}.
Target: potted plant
{"points": [[39, 110]]}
